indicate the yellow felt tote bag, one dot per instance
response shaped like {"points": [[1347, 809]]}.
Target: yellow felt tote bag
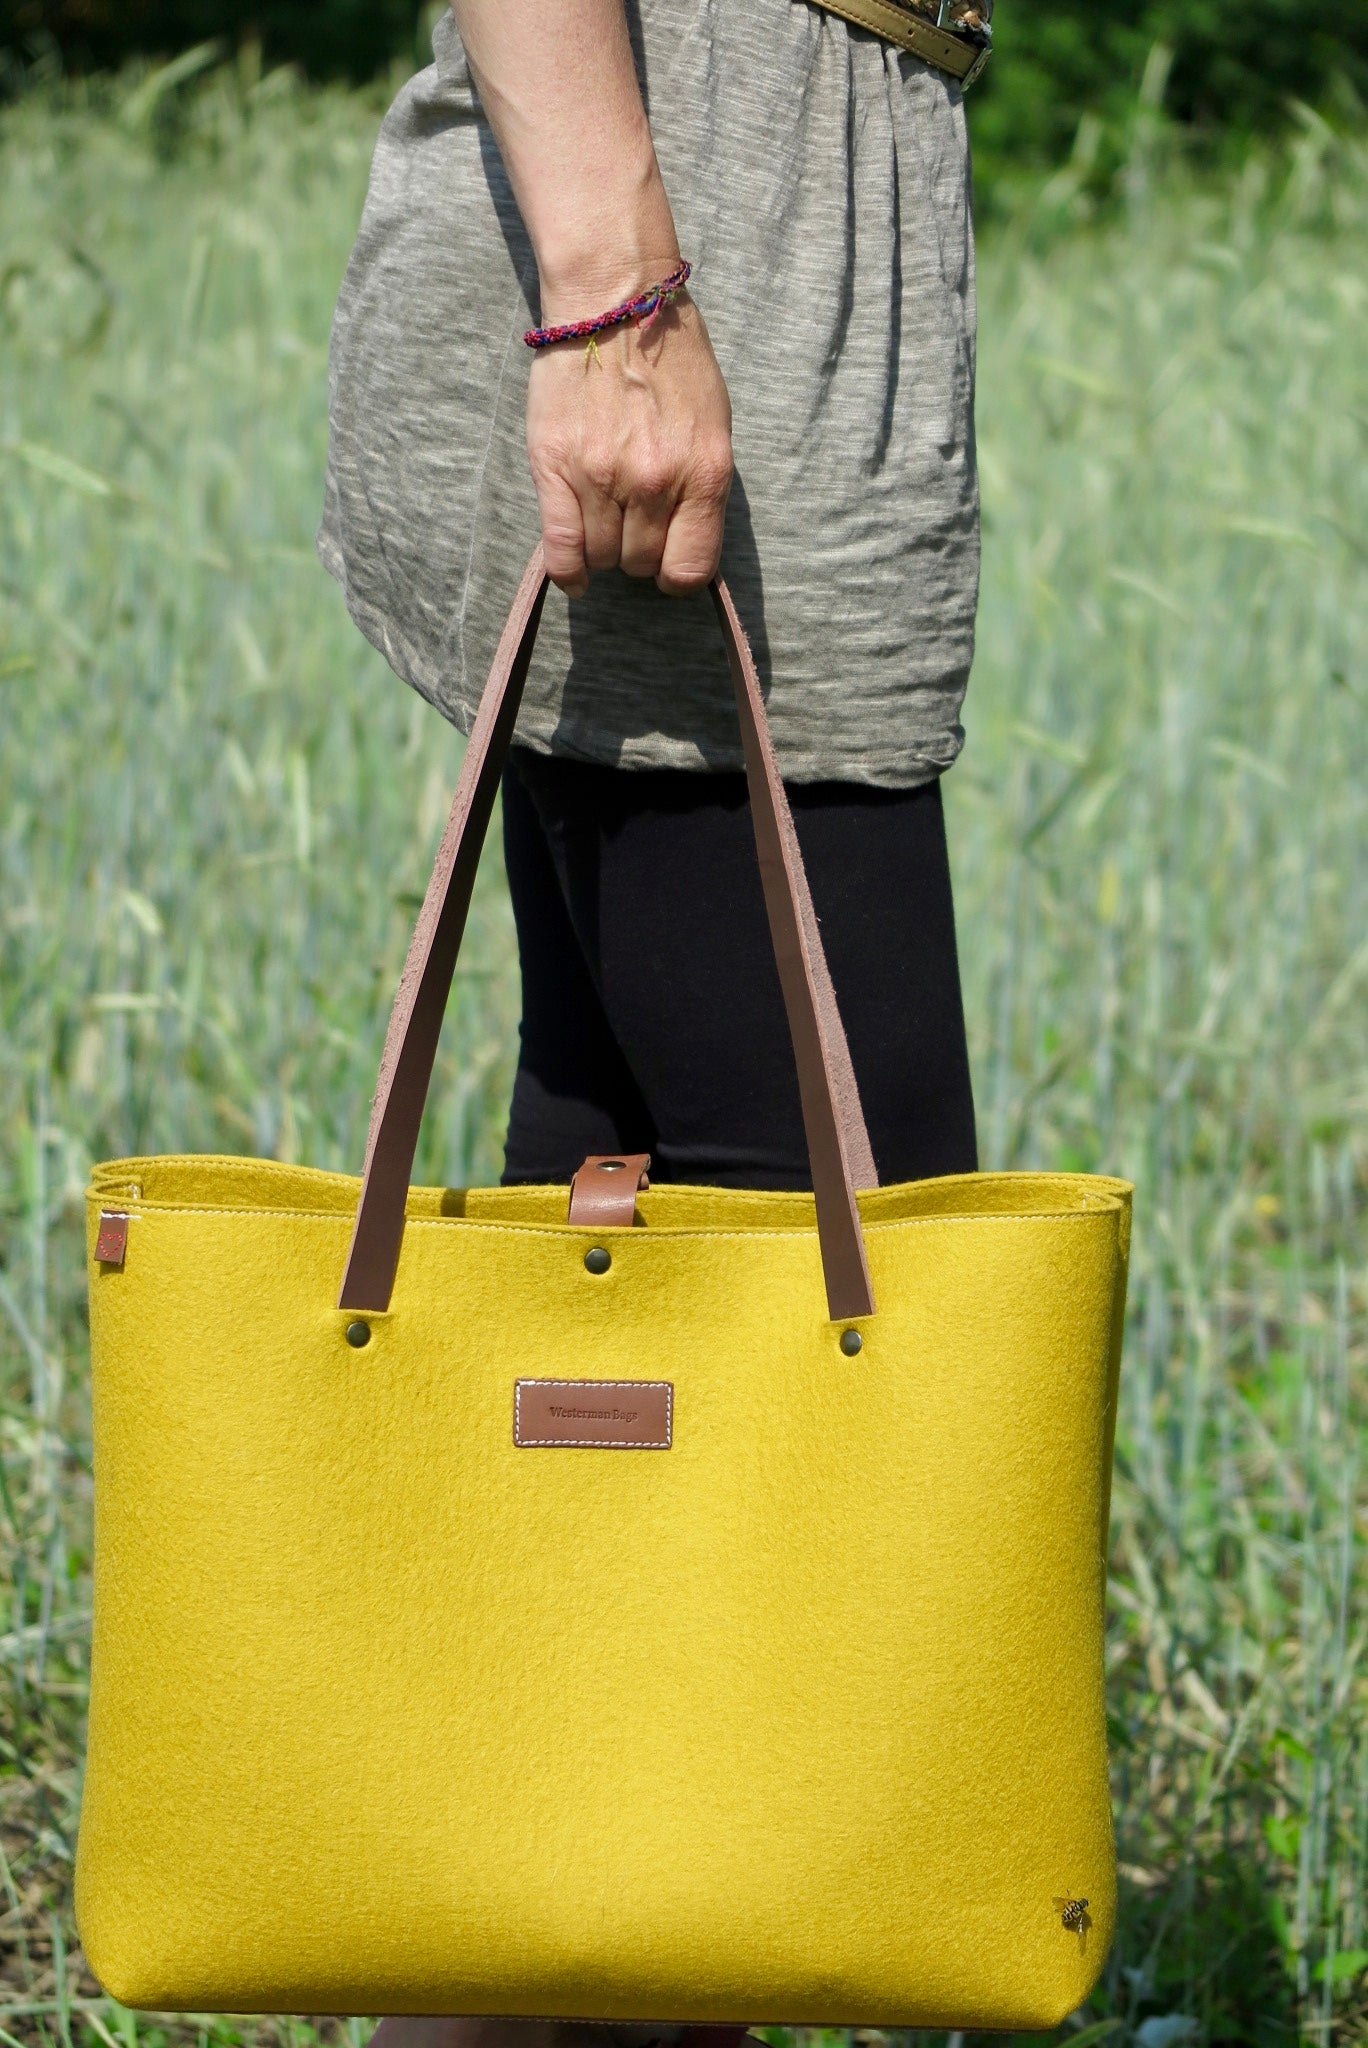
{"points": [[692, 1616]]}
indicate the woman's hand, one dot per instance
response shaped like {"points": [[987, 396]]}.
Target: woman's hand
{"points": [[630, 447]]}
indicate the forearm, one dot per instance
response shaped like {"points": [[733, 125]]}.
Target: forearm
{"points": [[558, 84], [632, 463]]}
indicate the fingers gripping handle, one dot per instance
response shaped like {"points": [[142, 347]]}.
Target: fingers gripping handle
{"points": [[838, 1143]]}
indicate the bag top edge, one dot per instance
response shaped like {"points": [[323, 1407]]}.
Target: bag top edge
{"points": [[217, 1182]]}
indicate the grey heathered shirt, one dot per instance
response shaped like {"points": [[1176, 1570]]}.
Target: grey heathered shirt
{"points": [[819, 181]]}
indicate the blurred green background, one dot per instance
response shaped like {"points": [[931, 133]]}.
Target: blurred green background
{"points": [[218, 809], [1222, 68]]}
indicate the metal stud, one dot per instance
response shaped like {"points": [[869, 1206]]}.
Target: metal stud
{"points": [[851, 1342], [358, 1333], [597, 1260]]}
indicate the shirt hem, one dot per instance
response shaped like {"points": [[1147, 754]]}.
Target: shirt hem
{"points": [[604, 748]]}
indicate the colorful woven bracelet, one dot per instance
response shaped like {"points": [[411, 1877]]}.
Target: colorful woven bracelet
{"points": [[643, 309]]}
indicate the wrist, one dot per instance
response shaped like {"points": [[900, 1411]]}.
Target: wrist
{"points": [[616, 241], [598, 285]]}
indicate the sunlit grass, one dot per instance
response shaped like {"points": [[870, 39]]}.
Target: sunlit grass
{"points": [[217, 809]]}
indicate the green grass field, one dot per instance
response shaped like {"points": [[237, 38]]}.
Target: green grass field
{"points": [[218, 808]]}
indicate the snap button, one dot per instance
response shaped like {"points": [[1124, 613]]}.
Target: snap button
{"points": [[358, 1333], [597, 1260], [851, 1342]]}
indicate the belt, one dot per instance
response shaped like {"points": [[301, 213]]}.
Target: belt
{"points": [[928, 32]]}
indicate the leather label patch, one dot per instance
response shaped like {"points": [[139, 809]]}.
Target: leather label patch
{"points": [[111, 1240], [608, 1415]]}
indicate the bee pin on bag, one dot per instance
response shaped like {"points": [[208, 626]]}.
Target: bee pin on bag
{"points": [[1074, 1913]]}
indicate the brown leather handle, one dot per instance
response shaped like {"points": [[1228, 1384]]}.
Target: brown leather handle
{"points": [[838, 1143]]}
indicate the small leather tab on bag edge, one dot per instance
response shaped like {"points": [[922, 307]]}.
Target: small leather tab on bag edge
{"points": [[605, 1189], [111, 1240]]}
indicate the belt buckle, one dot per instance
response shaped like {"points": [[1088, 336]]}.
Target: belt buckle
{"points": [[983, 51]]}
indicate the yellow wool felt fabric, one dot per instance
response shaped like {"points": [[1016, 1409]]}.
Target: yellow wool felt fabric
{"points": [[798, 1720]]}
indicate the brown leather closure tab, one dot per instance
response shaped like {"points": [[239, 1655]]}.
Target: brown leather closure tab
{"points": [[606, 1187]]}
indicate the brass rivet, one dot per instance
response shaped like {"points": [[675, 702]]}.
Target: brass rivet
{"points": [[358, 1333], [851, 1342], [597, 1260], [612, 1165]]}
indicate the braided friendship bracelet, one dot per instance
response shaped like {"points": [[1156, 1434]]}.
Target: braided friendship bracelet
{"points": [[643, 309]]}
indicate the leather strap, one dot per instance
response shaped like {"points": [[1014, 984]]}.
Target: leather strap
{"points": [[896, 23], [420, 1002], [839, 1151], [606, 1187], [838, 1143]]}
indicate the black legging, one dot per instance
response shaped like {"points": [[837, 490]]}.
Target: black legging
{"points": [[652, 1019]]}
